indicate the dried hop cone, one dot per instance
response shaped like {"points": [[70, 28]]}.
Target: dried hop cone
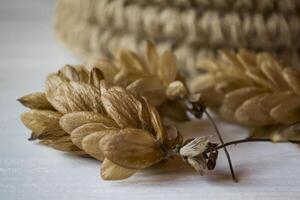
{"points": [[127, 136], [250, 89], [154, 76], [156, 79], [81, 114]]}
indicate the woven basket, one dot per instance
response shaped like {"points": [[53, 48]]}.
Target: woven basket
{"points": [[192, 28]]}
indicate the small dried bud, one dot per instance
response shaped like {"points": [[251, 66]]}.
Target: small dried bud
{"points": [[176, 89], [195, 147]]}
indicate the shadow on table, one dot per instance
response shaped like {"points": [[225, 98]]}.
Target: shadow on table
{"points": [[176, 171]]}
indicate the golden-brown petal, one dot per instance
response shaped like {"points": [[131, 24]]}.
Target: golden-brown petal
{"points": [[231, 58], [131, 148], [125, 77], [112, 171], [250, 113], [207, 65], [95, 77], [90, 144], [144, 117], [90, 141], [53, 81], [36, 100], [226, 86], [88, 95], [152, 58], [73, 120], [51, 135], [76, 73], [203, 82], [69, 73], [122, 107], [40, 121], [83, 73], [263, 132], [226, 113], [131, 61], [276, 133], [108, 69], [274, 76], [174, 110], [235, 98], [80, 132], [266, 58], [150, 87], [287, 111], [247, 59], [257, 76], [269, 100], [63, 144], [156, 122], [292, 76], [167, 70], [72, 96]]}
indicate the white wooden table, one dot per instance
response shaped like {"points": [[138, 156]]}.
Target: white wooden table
{"points": [[28, 52]]}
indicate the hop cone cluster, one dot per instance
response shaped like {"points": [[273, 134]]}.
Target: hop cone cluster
{"points": [[251, 89], [110, 112], [80, 113]]}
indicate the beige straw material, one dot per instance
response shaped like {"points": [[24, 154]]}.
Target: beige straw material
{"points": [[237, 5], [192, 28]]}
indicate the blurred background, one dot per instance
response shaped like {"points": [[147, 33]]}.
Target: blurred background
{"points": [[27, 35], [29, 51]]}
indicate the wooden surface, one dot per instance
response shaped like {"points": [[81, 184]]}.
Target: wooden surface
{"points": [[28, 52]]}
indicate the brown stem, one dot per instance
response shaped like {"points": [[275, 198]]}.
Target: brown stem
{"points": [[252, 140], [223, 145]]}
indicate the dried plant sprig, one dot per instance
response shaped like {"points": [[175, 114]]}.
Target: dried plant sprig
{"points": [[81, 113], [84, 112], [251, 89]]}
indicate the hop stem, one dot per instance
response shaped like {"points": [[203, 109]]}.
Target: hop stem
{"points": [[223, 145]]}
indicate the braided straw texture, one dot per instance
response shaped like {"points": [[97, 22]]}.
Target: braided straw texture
{"points": [[192, 28], [251, 89]]}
